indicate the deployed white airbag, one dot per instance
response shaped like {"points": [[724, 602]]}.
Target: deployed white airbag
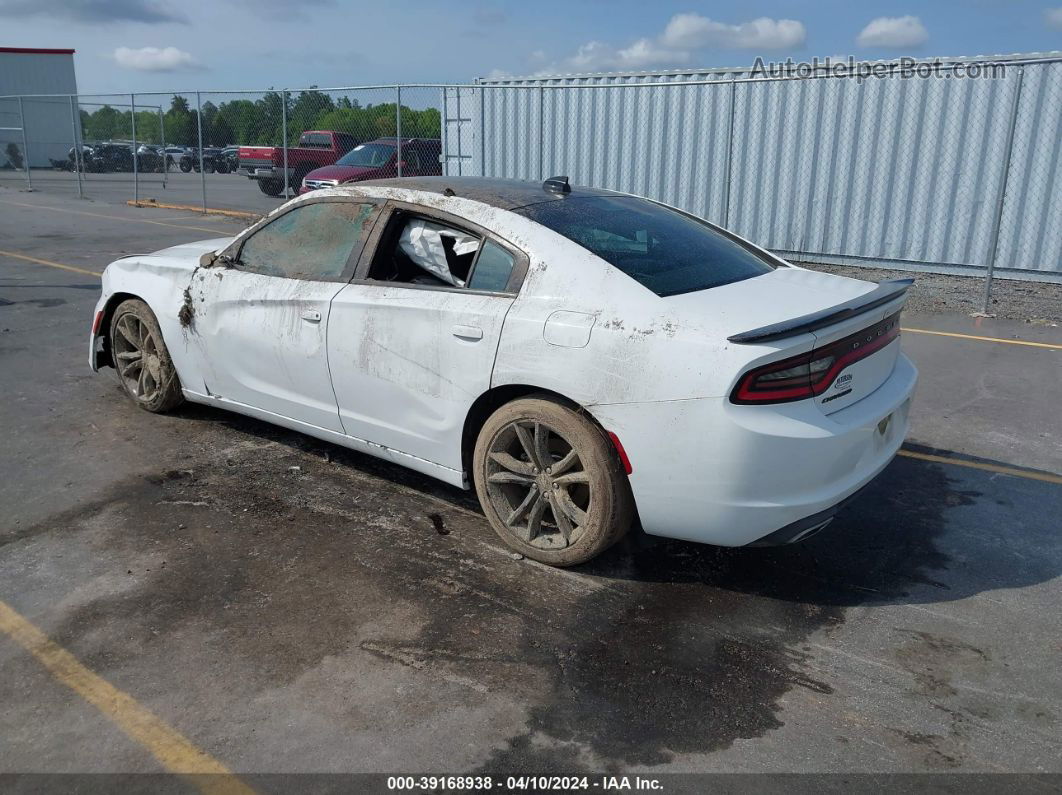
{"points": [[422, 242]]}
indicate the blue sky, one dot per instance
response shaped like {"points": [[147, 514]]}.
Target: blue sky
{"points": [[142, 45]]}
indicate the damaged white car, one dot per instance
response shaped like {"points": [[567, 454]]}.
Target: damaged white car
{"points": [[584, 359]]}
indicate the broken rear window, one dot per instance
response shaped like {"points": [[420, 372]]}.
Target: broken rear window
{"points": [[662, 249]]}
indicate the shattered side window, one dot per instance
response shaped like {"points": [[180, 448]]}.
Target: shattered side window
{"points": [[420, 251], [313, 242]]}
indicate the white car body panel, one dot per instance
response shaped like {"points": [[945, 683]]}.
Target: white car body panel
{"points": [[407, 364], [262, 342], [393, 371]]}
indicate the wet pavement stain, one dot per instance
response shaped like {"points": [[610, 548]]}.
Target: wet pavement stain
{"points": [[643, 654], [704, 641]]}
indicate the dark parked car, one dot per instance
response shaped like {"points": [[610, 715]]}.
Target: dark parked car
{"points": [[103, 157], [228, 159], [150, 158]]}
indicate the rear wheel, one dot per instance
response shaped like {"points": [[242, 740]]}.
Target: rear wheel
{"points": [[140, 356], [271, 187], [551, 483], [186, 165]]}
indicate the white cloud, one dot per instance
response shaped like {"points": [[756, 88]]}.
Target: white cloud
{"points": [[1053, 17], [893, 32], [596, 55], [692, 31], [681, 41], [155, 59]]}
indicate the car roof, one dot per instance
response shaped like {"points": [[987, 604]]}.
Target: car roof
{"points": [[505, 194]]}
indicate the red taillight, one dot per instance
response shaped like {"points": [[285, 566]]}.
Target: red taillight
{"points": [[811, 374], [97, 322]]}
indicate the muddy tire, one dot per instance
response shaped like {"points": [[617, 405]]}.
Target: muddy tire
{"points": [[141, 359], [271, 187], [550, 482]]}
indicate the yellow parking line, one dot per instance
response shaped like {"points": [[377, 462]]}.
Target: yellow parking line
{"points": [[49, 263], [112, 217], [171, 748], [1050, 345], [1046, 477]]}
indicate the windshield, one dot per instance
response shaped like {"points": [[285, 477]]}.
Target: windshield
{"points": [[662, 249], [370, 155]]}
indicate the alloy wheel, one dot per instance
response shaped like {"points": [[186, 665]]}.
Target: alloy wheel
{"points": [[136, 355], [538, 485]]}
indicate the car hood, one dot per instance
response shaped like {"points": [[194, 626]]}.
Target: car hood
{"points": [[191, 252], [782, 294], [343, 173]]}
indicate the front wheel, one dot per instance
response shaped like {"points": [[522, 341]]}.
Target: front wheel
{"points": [[141, 358], [551, 483]]}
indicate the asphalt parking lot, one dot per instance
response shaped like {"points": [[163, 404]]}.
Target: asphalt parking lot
{"points": [[228, 191], [278, 604]]}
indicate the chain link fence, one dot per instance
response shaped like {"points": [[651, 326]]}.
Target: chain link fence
{"points": [[959, 174]]}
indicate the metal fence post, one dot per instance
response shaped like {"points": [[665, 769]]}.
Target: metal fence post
{"points": [[729, 157], [997, 222], [460, 121], [542, 132], [162, 142], [77, 148], [398, 127], [199, 122], [446, 134], [284, 133], [136, 172], [25, 145], [482, 131]]}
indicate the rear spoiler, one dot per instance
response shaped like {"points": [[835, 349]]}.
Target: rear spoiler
{"points": [[882, 294]]}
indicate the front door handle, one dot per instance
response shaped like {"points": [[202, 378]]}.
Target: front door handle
{"points": [[311, 316], [467, 332]]}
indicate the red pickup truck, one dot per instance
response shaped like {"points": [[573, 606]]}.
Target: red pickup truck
{"points": [[316, 148]]}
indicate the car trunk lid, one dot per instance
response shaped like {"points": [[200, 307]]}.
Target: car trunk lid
{"points": [[842, 318], [876, 331]]}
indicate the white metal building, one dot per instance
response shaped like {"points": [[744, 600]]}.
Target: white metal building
{"points": [[48, 122]]}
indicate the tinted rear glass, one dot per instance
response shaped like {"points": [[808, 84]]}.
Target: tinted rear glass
{"points": [[663, 250]]}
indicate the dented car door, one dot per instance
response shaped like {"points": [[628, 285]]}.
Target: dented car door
{"points": [[262, 320], [408, 358]]}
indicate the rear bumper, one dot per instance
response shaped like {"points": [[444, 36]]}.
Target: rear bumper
{"points": [[804, 528], [709, 471], [262, 172]]}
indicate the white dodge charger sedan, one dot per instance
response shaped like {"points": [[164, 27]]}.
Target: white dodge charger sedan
{"points": [[584, 359]]}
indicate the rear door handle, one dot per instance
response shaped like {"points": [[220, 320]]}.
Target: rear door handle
{"points": [[467, 332], [311, 316]]}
